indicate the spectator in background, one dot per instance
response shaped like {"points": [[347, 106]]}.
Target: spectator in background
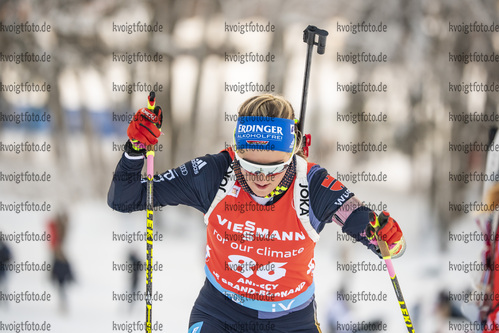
{"points": [[5, 256], [61, 268]]}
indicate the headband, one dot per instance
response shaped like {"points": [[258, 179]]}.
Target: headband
{"points": [[265, 133]]}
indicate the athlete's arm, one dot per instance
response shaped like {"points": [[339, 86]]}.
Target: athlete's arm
{"points": [[331, 201], [194, 183]]}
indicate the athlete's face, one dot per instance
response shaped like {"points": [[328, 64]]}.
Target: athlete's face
{"points": [[262, 184]]}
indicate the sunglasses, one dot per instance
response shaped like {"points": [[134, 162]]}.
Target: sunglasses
{"points": [[265, 169]]}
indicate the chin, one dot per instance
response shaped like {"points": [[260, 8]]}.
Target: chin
{"points": [[261, 194], [263, 191]]}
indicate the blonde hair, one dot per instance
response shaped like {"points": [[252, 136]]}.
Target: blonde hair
{"points": [[272, 106], [492, 196]]}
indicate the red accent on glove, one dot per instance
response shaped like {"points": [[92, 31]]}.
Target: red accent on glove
{"points": [[389, 230], [145, 126]]}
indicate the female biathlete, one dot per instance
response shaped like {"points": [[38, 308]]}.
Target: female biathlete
{"points": [[264, 206]]}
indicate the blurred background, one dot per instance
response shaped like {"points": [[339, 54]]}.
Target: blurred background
{"points": [[192, 47]]}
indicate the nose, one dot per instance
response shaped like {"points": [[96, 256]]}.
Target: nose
{"points": [[269, 178], [260, 177]]}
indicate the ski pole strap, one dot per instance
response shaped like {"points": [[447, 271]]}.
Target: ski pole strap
{"points": [[307, 142]]}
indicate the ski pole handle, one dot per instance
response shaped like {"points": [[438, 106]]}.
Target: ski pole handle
{"points": [[151, 100], [385, 253], [151, 103]]}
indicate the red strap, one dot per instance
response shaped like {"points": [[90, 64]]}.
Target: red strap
{"points": [[308, 142], [230, 151]]}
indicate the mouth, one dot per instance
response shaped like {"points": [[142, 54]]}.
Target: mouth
{"points": [[262, 187]]}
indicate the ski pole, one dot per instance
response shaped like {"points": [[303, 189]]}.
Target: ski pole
{"points": [[385, 252], [151, 101], [309, 37]]}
